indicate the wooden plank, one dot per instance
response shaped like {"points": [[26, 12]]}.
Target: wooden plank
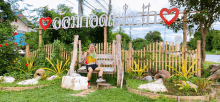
{"points": [[119, 66], [159, 55], [106, 62], [163, 55], [199, 56], [73, 61], [173, 56], [114, 54], [80, 54]]}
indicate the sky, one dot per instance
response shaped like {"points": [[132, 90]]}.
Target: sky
{"points": [[133, 6]]}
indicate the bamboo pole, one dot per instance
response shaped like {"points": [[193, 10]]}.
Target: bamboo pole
{"points": [[159, 56], [189, 54], [163, 55], [199, 57], [150, 50], [156, 55], [193, 55], [105, 39], [166, 56], [153, 54], [169, 56], [179, 56], [27, 51], [176, 57], [40, 36], [197, 61], [144, 57], [173, 56]]}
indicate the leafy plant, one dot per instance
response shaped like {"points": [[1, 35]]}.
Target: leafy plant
{"points": [[58, 69], [185, 86], [25, 67], [202, 83], [184, 72], [138, 70]]}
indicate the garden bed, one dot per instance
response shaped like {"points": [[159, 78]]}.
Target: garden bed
{"points": [[173, 92], [16, 87]]}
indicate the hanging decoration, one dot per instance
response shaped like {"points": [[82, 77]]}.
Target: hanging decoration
{"points": [[169, 11]]}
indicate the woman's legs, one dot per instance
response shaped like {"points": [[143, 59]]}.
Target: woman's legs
{"points": [[100, 69], [90, 70]]}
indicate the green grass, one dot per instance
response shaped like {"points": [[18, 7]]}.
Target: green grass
{"points": [[212, 53], [40, 82], [54, 93]]}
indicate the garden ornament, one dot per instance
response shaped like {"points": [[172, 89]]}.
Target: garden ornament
{"points": [[162, 74], [40, 72]]}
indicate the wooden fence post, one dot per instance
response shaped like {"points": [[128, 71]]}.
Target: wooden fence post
{"points": [[73, 61], [40, 35], [199, 57], [105, 39], [27, 51], [129, 56], [80, 54], [119, 62]]}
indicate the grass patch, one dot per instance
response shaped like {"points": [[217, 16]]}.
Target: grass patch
{"points": [[212, 52], [40, 82], [55, 93]]}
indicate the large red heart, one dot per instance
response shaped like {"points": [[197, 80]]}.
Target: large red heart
{"points": [[169, 11], [45, 19]]}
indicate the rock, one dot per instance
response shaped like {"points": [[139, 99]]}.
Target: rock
{"points": [[162, 74], [148, 78], [215, 76], [7, 79], [214, 67], [156, 86], [52, 77], [28, 82], [75, 83], [191, 84], [40, 72]]}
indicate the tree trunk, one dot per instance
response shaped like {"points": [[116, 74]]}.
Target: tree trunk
{"points": [[203, 55]]}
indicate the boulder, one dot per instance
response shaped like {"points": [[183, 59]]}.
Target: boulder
{"points": [[7, 79], [162, 74], [52, 77], [75, 83], [215, 76], [156, 86], [30, 81], [40, 72], [214, 67], [148, 78]]}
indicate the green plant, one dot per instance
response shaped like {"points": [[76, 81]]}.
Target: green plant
{"points": [[58, 69], [138, 70], [185, 86], [184, 72], [202, 83], [26, 67]]}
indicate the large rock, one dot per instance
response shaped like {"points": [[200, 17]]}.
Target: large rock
{"points": [[214, 67], [7, 79], [156, 86], [52, 77], [162, 74], [215, 76], [75, 83], [40, 72], [30, 81], [148, 78]]}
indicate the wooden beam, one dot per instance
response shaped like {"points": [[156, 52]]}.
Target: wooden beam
{"points": [[73, 61], [119, 61], [184, 28], [27, 51], [199, 60]]}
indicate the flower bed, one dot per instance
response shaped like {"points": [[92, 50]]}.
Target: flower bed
{"points": [[173, 92]]}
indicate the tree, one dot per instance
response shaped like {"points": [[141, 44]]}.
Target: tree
{"points": [[207, 15], [153, 36], [139, 43], [125, 38]]}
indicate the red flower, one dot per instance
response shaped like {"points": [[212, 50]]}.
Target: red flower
{"points": [[26, 65], [0, 45], [13, 42], [6, 44], [15, 33]]}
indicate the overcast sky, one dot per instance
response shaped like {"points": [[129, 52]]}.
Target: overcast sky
{"points": [[133, 6]]}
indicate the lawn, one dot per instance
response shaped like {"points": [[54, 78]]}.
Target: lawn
{"points": [[54, 93]]}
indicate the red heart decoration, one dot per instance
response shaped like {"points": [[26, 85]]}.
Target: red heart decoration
{"points": [[169, 11], [45, 19], [15, 33]]}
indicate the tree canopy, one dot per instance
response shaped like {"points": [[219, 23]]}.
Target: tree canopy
{"points": [[153, 36]]}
